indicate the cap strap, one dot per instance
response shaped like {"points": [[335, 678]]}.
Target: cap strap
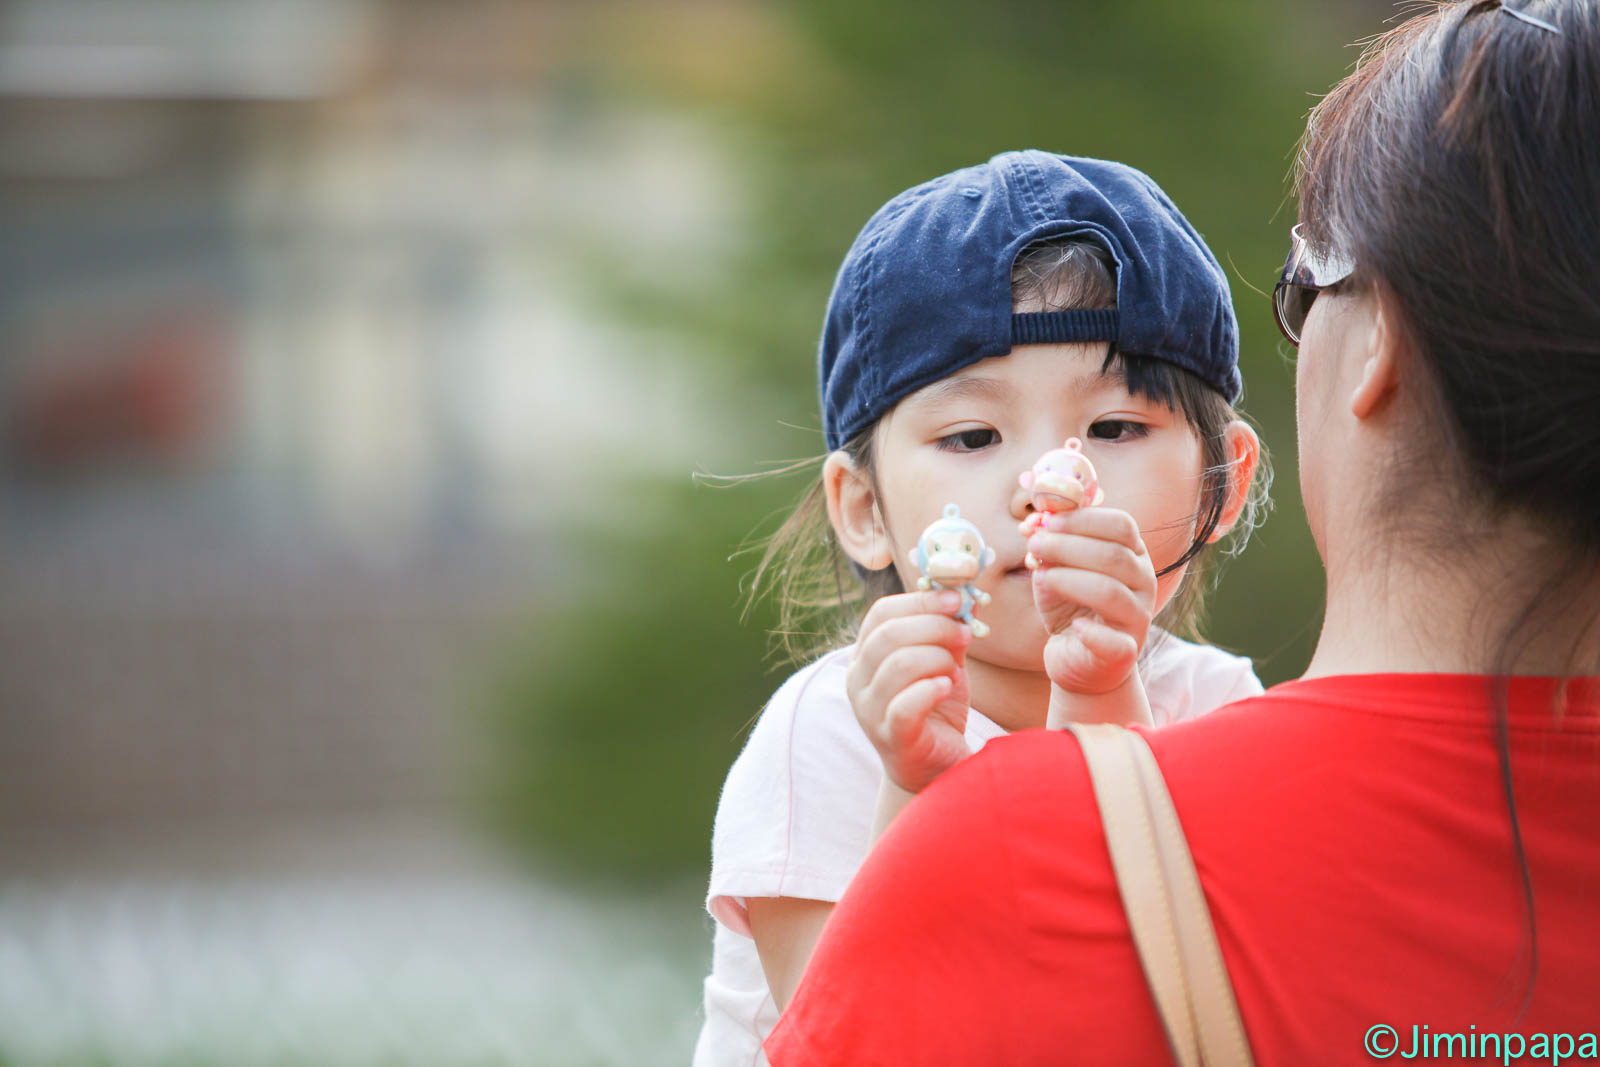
{"points": [[1069, 327]]}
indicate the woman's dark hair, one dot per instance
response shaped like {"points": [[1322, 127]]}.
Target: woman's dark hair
{"points": [[1458, 167], [821, 595]]}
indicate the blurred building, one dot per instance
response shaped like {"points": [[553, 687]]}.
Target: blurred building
{"points": [[321, 322], [298, 357], [302, 360]]}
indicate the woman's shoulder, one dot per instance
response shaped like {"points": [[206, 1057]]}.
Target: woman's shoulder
{"points": [[1185, 678]]}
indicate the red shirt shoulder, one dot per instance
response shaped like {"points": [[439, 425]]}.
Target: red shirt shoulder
{"points": [[1355, 851]]}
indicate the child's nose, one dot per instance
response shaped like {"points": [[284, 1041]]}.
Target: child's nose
{"points": [[1021, 502]]}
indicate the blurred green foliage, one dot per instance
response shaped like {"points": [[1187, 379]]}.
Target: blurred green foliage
{"points": [[617, 727], [621, 725]]}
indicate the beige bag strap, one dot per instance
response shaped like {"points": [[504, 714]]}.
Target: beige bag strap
{"points": [[1166, 906]]}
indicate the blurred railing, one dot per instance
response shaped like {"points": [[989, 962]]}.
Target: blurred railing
{"points": [[345, 972]]}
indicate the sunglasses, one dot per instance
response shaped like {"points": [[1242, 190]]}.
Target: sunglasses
{"points": [[1305, 274]]}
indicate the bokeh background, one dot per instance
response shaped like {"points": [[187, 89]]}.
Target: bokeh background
{"points": [[369, 660]]}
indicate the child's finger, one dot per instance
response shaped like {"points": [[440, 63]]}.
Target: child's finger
{"points": [[895, 631], [1108, 645], [1105, 596], [909, 711], [1107, 524], [909, 630], [905, 666], [1111, 558], [931, 602]]}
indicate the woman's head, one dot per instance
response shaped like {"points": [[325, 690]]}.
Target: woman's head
{"points": [[1085, 253], [1457, 171], [1454, 376]]}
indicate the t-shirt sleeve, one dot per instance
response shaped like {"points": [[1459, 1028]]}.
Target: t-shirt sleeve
{"points": [[985, 927], [898, 969], [795, 815]]}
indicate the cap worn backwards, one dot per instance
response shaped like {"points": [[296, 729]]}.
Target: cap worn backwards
{"points": [[925, 290]]}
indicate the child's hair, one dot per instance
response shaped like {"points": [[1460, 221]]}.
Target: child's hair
{"points": [[821, 594]]}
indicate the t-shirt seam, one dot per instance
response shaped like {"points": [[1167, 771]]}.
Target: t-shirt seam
{"points": [[794, 720], [781, 870], [755, 1021]]}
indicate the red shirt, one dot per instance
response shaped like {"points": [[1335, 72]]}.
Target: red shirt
{"points": [[1353, 841]]}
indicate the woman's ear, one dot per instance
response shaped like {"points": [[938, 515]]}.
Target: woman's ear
{"points": [[853, 511], [1380, 369], [1243, 450]]}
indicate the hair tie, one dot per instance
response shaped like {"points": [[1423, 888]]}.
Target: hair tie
{"points": [[1523, 16]]}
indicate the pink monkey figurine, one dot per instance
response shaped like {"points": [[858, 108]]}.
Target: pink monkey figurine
{"points": [[1061, 479]]}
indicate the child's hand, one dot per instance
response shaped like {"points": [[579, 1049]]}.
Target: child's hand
{"points": [[908, 685], [1095, 588]]}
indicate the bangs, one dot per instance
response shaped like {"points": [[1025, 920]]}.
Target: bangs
{"points": [[1169, 385]]}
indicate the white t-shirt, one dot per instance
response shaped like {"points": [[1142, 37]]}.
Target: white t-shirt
{"points": [[795, 818]]}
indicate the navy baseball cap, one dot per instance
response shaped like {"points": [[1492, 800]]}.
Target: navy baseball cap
{"points": [[925, 290]]}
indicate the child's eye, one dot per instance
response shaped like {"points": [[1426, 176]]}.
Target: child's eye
{"points": [[1117, 430], [969, 440]]}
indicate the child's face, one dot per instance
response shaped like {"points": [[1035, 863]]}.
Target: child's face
{"points": [[965, 439]]}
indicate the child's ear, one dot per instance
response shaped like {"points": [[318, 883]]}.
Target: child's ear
{"points": [[1243, 450], [853, 511]]}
